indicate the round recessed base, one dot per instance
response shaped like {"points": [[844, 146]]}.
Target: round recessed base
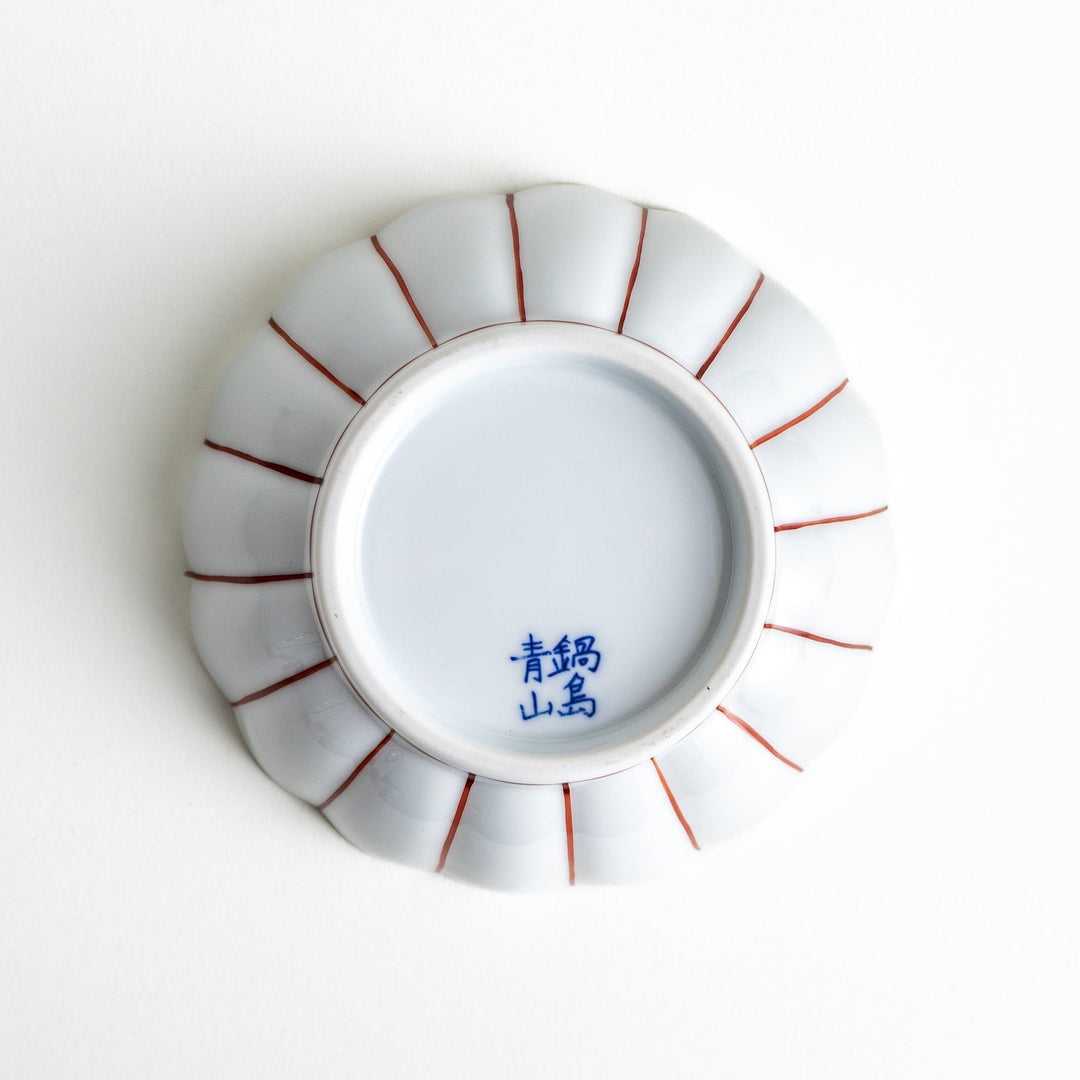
{"points": [[542, 552]]}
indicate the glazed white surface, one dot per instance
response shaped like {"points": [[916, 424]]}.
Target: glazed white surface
{"points": [[243, 520], [457, 257], [690, 286], [548, 477], [354, 321], [446, 569], [246, 410], [580, 254], [249, 638], [308, 736], [779, 363]]}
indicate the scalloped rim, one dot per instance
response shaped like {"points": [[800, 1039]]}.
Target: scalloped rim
{"points": [[206, 567]]}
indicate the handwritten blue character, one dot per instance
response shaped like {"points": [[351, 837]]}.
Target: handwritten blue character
{"points": [[560, 656], [534, 650], [577, 702], [536, 710], [585, 655]]}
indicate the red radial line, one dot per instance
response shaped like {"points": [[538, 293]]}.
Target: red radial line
{"points": [[456, 822], [816, 637], [800, 418], [404, 289], [272, 465], [315, 363], [266, 690], [738, 721], [831, 520], [731, 329], [519, 277], [568, 817], [257, 579], [357, 771], [634, 271], [675, 805]]}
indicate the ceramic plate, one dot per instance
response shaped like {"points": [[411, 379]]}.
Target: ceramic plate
{"points": [[538, 539]]}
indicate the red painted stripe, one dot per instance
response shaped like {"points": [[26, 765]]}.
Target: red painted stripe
{"points": [[634, 271], [517, 257], [404, 289], [800, 418], [568, 816], [273, 465], [259, 579], [357, 771], [740, 722], [315, 363], [814, 637], [456, 822], [267, 690], [831, 520], [731, 329], [675, 805]]}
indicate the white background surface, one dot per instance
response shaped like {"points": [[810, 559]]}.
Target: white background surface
{"points": [[908, 169]]}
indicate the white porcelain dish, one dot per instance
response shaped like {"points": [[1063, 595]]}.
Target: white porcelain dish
{"points": [[538, 539]]}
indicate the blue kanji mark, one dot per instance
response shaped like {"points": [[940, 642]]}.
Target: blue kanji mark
{"points": [[584, 654], [560, 656], [533, 652], [536, 710], [576, 657], [576, 701]]}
